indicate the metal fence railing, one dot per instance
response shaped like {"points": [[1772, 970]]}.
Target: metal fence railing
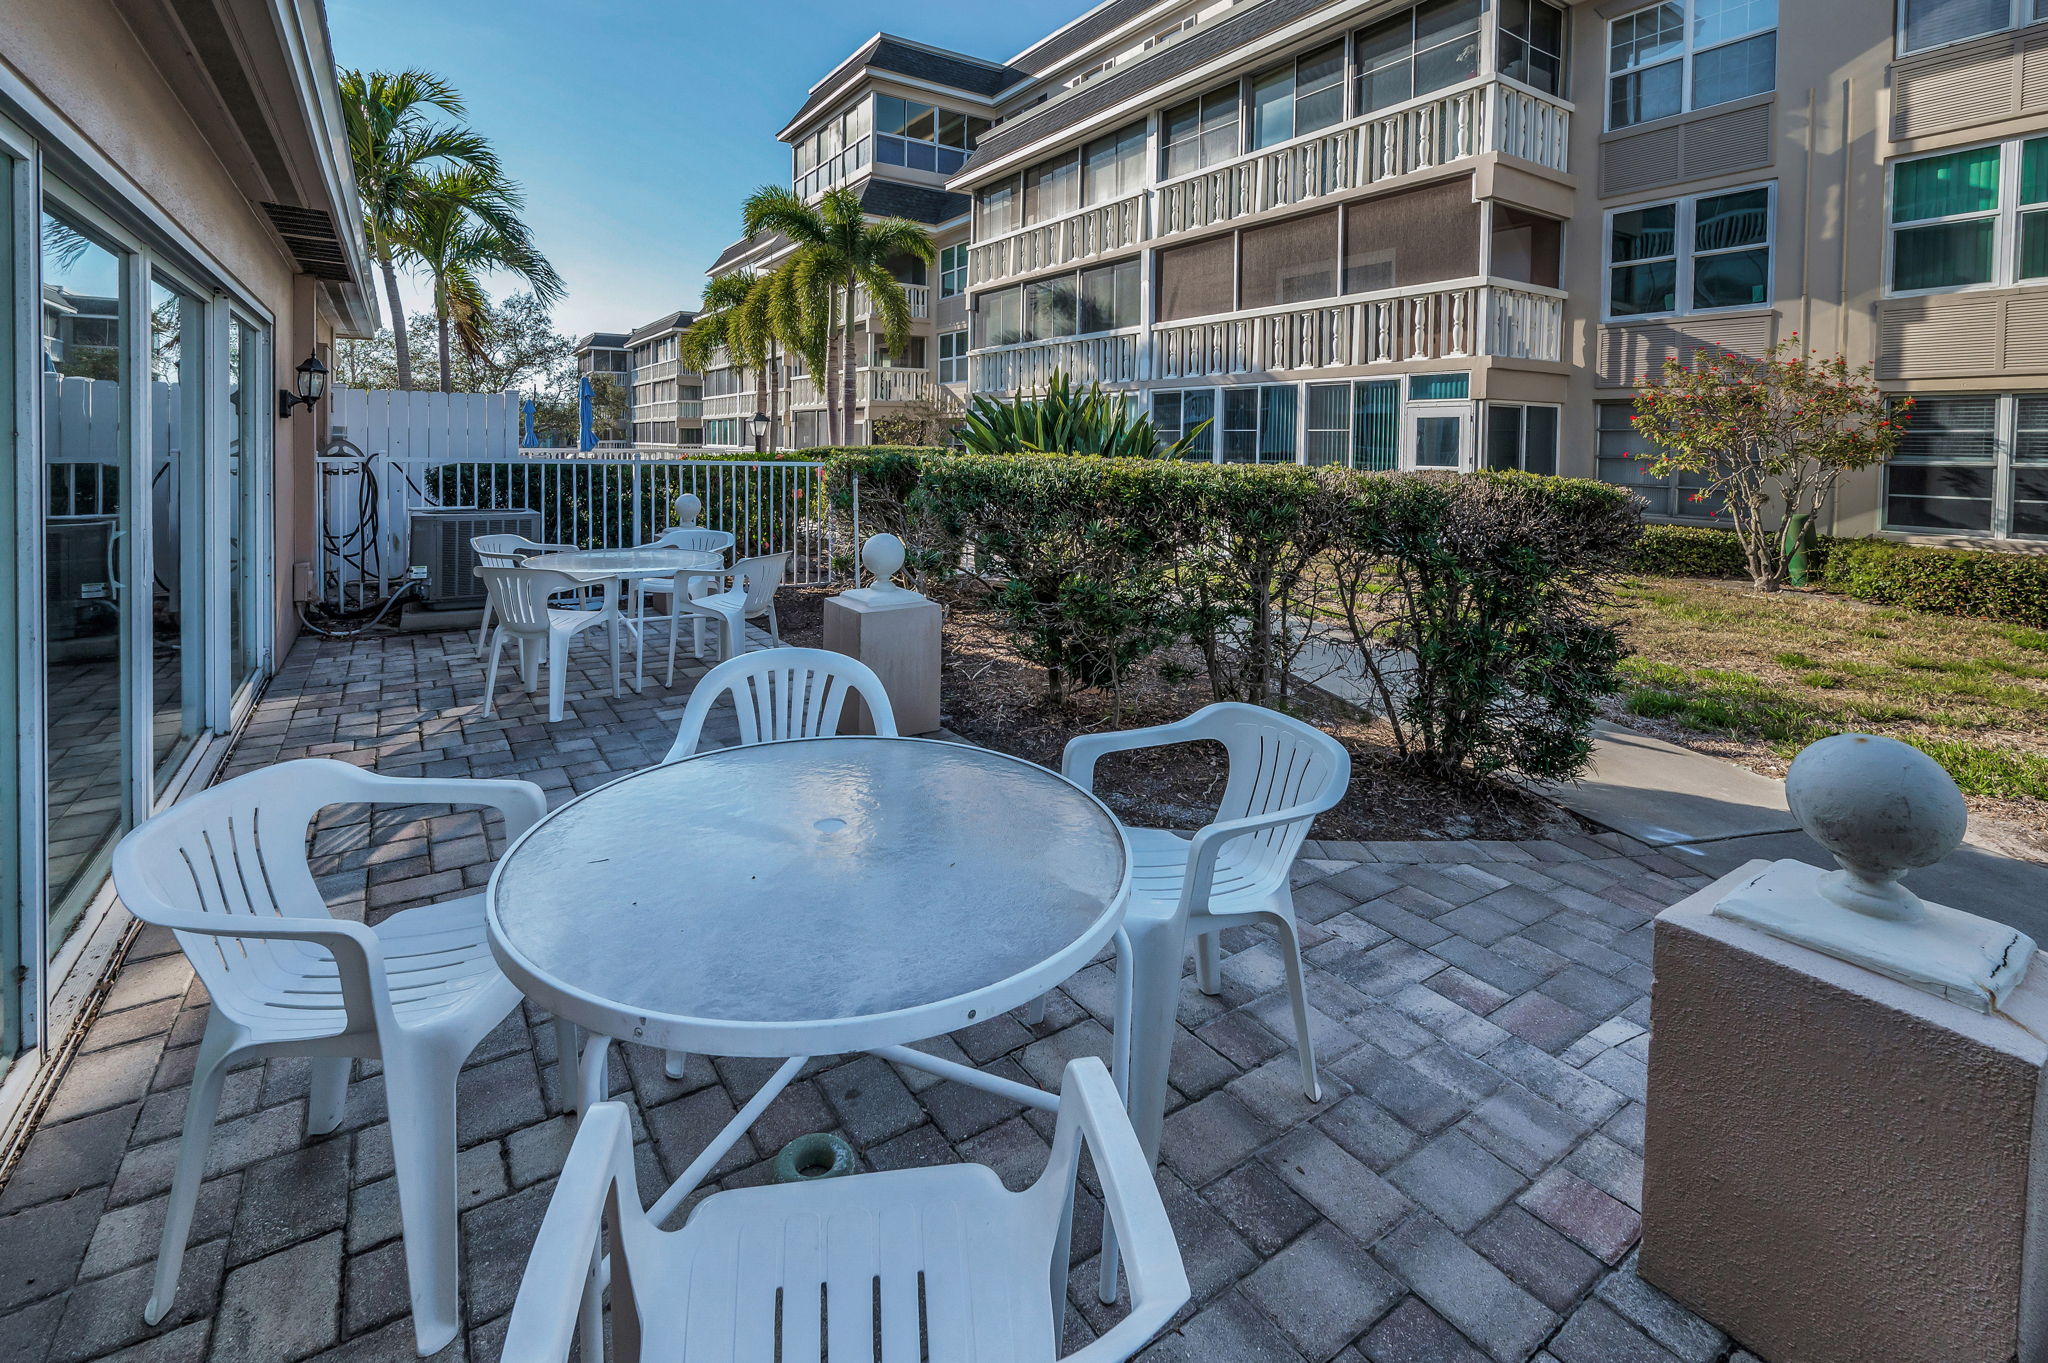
{"points": [[593, 501]]}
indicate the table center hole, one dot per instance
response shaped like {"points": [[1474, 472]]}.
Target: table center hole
{"points": [[829, 825]]}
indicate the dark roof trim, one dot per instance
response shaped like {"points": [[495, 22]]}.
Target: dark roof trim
{"points": [[1100, 22], [1197, 49], [602, 340], [674, 321], [889, 55], [745, 247]]}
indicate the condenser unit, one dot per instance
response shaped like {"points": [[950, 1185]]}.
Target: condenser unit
{"points": [[440, 541]]}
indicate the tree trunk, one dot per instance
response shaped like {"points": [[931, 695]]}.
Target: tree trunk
{"points": [[847, 360], [447, 373], [401, 344]]}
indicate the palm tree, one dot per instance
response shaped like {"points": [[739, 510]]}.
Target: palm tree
{"points": [[735, 319], [396, 147], [465, 224], [839, 250]]}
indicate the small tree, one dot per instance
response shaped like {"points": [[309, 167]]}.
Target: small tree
{"points": [[1773, 433]]}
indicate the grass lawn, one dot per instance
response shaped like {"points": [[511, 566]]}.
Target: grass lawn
{"points": [[1766, 675]]}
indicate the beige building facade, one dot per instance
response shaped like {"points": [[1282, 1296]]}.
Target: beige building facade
{"points": [[181, 236], [1462, 234]]}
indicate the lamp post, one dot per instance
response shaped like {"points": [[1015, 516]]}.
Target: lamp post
{"points": [[760, 424], [312, 387]]}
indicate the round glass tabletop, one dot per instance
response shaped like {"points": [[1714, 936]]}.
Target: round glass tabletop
{"points": [[809, 897], [629, 562]]}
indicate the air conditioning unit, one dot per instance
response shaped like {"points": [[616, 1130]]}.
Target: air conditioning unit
{"points": [[440, 540]]}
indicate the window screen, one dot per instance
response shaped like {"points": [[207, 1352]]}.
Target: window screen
{"points": [[1328, 428], [1001, 317], [1623, 458], [1195, 279], [1114, 166], [1942, 476], [1052, 190], [1109, 297], [1416, 237], [1050, 308], [2030, 467], [1290, 262], [1929, 23], [1526, 246], [1376, 425]]}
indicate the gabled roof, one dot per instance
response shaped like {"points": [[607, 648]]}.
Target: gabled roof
{"points": [[602, 340], [890, 55], [919, 203], [674, 321], [772, 244]]}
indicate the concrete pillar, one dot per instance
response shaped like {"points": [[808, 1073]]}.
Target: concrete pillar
{"points": [[895, 632]]}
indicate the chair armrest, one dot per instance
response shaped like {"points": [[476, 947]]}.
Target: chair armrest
{"points": [[521, 802], [551, 1290], [1077, 763], [1130, 1198], [1209, 842], [357, 953]]}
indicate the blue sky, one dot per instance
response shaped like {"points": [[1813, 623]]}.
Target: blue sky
{"points": [[637, 126]]}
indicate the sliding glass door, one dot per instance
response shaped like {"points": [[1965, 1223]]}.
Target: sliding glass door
{"points": [[88, 606], [176, 449]]}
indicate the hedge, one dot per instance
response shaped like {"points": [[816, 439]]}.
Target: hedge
{"points": [[1988, 585], [1468, 601]]}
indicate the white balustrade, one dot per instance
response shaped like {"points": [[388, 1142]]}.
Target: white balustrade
{"points": [[1028, 368], [919, 296], [898, 385], [1078, 236]]}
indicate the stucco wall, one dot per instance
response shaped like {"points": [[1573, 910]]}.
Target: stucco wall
{"points": [[82, 59]]}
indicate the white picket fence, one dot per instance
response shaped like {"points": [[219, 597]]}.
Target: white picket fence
{"points": [[82, 420], [390, 453]]}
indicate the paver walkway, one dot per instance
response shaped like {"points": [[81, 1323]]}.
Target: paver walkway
{"points": [[1467, 1190]]}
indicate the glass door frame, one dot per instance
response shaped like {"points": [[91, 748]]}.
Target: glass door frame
{"points": [[1414, 411], [21, 869]]}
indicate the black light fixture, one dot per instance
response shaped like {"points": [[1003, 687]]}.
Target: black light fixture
{"points": [[312, 387], [760, 424]]}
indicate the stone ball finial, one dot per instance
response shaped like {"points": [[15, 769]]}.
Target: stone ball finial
{"points": [[882, 556], [1883, 808], [688, 508]]}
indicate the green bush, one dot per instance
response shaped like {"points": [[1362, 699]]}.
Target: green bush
{"points": [[1688, 551], [1471, 600], [2012, 587]]}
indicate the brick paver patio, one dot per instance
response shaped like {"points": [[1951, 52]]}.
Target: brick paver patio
{"points": [[1467, 1189]]}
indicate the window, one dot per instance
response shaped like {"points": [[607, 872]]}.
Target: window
{"points": [[1195, 279], [1258, 424], [1052, 190], [1298, 97], [1001, 317], [1669, 58], [1521, 437], [1623, 458], [1099, 298], [1422, 50], [1001, 208], [1970, 218], [923, 137], [1358, 424], [1526, 247], [1972, 463], [1439, 387], [1290, 262], [1176, 413], [1532, 44], [1201, 132], [1931, 23], [910, 357], [953, 357], [1700, 254], [1419, 236], [833, 153], [953, 270], [1113, 167]]}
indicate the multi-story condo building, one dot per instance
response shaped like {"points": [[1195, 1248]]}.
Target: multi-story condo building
{"points": [[666, 406], [893, 123], [1460, 234], [601, 358]]}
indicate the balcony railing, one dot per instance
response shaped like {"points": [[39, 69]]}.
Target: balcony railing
{"points": [[918, 295], [1477, 118], [1079, 236], [730, 404], [1027, 368], [898, 385]]}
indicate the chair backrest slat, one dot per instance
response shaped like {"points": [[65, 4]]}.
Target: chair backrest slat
{"points": [[759, 577], [520, 596], [1276, 763], [695, 539], [782, 693]]}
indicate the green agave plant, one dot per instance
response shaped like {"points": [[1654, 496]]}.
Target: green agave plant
{"points": [[1063, 420]]}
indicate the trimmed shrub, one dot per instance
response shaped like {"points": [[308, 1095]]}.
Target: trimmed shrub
{"points": [[1688, 551], [1471, 599], [1474, 603], [2012, 587]]}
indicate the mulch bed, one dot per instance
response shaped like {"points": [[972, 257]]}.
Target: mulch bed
{"points": [[995, 698]]}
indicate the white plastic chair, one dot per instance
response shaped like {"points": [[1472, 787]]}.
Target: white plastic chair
{"points": [[226, 870], [693, 539], [751, 597], [1282, 773], [779, 693], [960, 1268], [783, 693], [521, 597], [505, 551]]}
